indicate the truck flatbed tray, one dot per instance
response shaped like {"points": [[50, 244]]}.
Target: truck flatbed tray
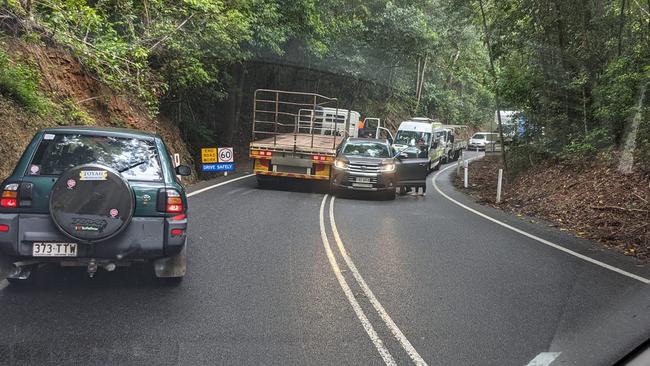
{"points": [[303, 143]]}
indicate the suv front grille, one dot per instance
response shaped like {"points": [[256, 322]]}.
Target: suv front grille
{"points": [[364, 168]]}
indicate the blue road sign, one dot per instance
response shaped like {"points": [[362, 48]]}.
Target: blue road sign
{"points": [[219, 167]]}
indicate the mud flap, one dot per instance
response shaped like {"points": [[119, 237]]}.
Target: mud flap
{"points": [[6, 267], [174, 266]]}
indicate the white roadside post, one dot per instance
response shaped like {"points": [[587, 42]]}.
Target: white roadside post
{"points": [[177, 162], [499, 185], [466, 166]]}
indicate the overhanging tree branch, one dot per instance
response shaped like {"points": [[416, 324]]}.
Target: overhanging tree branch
{"points": [[163, 39]]}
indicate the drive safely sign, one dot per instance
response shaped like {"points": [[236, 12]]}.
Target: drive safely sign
{"points": [[219, 159], [219, 167]]}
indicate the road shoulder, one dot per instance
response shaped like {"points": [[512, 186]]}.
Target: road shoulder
{"points": [[541, 229]]}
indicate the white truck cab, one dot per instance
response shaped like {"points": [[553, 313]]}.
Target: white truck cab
{"points": [[328, 121]]}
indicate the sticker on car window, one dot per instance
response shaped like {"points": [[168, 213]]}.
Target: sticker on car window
{"points": [[93, 175], [48, 136], [34, 169]]}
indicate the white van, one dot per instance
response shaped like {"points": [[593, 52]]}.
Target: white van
{"points": [[410, 132]]}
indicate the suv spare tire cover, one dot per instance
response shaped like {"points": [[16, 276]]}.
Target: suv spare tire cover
{"points": [[91, 203]]}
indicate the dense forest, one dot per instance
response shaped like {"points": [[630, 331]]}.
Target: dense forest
{"points": [[578, 70]]}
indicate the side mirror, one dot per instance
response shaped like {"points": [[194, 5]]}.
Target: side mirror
{"points": [[390, 140], [183, 170]]}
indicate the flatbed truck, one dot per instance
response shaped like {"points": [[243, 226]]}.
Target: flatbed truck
{"points": [[295, 135]]}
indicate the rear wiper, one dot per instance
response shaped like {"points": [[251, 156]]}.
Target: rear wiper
{"points": [[135, 165]]}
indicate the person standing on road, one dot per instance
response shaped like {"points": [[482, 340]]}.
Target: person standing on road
{"points": [[422, 153]]}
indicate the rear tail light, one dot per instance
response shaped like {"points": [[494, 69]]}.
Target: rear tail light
{"points": [[179, 217], [177, 232], [321, 158], [261, 153], [174, 202], [9, 197], [4, 228]]}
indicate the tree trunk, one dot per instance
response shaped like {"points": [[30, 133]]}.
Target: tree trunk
{"points": [[496, 85], [626, 164], [420, 83]]}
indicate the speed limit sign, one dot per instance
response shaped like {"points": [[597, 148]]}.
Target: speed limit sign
{"points": [[225, 155]]}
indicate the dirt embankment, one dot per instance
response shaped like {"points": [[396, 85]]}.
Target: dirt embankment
{"points": [[65, 81], [588, 198]]}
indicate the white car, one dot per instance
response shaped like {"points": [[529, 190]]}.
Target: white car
{"points": [[480, 139]]}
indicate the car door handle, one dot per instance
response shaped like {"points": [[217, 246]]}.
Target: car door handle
{"points": [[422, 164]]}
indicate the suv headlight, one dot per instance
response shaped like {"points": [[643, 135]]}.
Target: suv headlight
{"points": [[341, 164], [387, 168]]}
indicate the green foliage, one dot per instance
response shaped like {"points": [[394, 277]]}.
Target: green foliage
{"points": [[617, 95], [21, 83], [587, 145], [71, 114], [525, 156]]}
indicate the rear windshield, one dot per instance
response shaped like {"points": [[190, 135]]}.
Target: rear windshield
{"points": [[367, 149], [136, 159], [479, 137]]}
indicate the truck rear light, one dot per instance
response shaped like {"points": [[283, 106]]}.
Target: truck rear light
{"points": [[4, 228], [261, 153], [177, 232]]}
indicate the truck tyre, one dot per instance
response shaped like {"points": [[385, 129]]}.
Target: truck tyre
{"points": [[262, 182], [91, 203]]}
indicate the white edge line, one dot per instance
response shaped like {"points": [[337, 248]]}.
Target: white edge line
{"points": [[531, 236], [367, 326], [218, 185], [408, 347], [544, 359]]}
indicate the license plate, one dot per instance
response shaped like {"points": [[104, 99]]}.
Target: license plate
{"points": [[363, 180], [362, 185], [54, 250]]}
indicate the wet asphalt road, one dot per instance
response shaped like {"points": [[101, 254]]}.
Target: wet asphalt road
{"points": [[261, 289]]}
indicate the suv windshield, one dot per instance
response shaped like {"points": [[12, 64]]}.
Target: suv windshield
{"points": [[136, 159], [411, 137], [367, 149], [479, 137]]}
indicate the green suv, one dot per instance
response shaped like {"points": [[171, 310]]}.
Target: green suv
{"points": [[93, 197]]}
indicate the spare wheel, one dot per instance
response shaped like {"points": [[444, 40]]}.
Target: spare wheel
{"points": [[91, 203]]}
